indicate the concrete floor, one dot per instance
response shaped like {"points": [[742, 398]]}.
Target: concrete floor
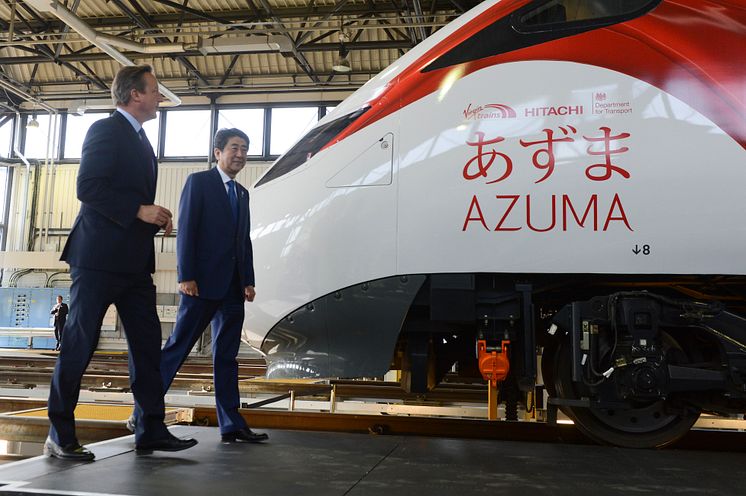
{"points": [[320, 463]]}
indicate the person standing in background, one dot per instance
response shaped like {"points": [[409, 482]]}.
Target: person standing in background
{"points": [[60, 316]]}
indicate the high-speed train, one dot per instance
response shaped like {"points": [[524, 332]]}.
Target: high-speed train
{"points": [[566, 176]]}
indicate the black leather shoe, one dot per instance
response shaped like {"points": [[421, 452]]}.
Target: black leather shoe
{"points": [[73, 452], [244, 435], [171, 443]]}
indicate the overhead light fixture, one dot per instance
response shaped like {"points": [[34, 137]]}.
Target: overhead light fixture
{"points": [[78, 107], [33, 123], [245, 43], [342, 63]]}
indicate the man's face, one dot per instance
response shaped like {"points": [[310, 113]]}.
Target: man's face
{"points": [[232, 158], [147, 101], [59, 300]]}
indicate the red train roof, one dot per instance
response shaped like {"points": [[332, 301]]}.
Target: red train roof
{"points": [[692, 49]]}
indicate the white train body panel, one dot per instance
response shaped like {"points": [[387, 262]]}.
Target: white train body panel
{"points": [[312, 239], [309, 237], [681, 199]]}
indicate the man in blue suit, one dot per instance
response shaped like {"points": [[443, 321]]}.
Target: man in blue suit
{"points": [[111, 255], [216, 275]]}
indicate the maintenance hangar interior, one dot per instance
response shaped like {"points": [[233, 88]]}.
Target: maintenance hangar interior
{"points": [[419, 365], [270, 69]]}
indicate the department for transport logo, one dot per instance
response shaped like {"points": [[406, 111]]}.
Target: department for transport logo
{"points": [[489, 111], [602, 104]]}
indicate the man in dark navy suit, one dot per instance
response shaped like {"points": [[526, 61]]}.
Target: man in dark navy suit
{"points": [[216, 275], [111, 255]]}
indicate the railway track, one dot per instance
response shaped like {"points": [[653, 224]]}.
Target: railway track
{"points": [[196, 375], [110, 371]]}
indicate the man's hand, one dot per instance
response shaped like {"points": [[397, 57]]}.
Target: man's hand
{"points": [[189, 288], [168, 227], [249, 293], [155, 214]]}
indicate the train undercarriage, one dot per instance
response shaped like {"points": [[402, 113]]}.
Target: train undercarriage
{"points": [[632, 361]]}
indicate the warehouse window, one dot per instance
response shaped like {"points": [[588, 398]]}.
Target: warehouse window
{"points": [[187, 133], [4, 175], [289, 124], [6, 137], [250, 121], [77, 127], [38, 138], [151, 131]]}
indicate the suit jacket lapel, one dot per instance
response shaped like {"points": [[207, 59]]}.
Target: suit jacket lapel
{"points": [[147, 159], [218, 187], [243, 209]]}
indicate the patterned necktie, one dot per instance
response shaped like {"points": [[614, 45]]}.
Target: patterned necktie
{"points": [[148, 150], [233, 200]]}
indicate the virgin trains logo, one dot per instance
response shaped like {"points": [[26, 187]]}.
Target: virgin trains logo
{"points": [[501, 111], [489, 111]]}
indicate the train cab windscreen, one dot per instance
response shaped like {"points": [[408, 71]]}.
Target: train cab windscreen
{"points": [[541, 22], [309, 145], [556, 12]]}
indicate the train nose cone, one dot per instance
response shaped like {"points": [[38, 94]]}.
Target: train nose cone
{"points": [[364, 321]]}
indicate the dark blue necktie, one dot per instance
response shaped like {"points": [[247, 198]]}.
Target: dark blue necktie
{"points": [[233, 200], [148, 150]]}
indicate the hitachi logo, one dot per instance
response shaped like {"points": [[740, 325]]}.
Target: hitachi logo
{"points": [[545, 111]]}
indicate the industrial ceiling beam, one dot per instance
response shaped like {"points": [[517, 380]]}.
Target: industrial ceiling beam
{"points": [[145, 22], [66, 28], [33, 13], [47, 56], [300, 59], [337, 7], [317, 47], [229, 69], [196, 13], [388, 31], [237, 16]]}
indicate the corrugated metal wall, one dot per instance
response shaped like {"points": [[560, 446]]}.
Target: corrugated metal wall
{"points": [[55, 212]]}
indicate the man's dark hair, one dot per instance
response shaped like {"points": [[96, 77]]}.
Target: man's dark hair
{"points": [[127, 79], [223, 135], [60, 297]]}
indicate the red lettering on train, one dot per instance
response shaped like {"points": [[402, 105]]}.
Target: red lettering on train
{"points": [[517, 218], [469, 218], [617, 203], [490, 155], [548, 150], [567, 207], [607, 168], [513, 200]]}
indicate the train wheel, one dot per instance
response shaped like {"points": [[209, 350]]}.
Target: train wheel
{"points": [[644, 424]]}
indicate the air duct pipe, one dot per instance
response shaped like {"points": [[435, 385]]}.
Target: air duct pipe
{"points": [[50, 166], [104, 42]]}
